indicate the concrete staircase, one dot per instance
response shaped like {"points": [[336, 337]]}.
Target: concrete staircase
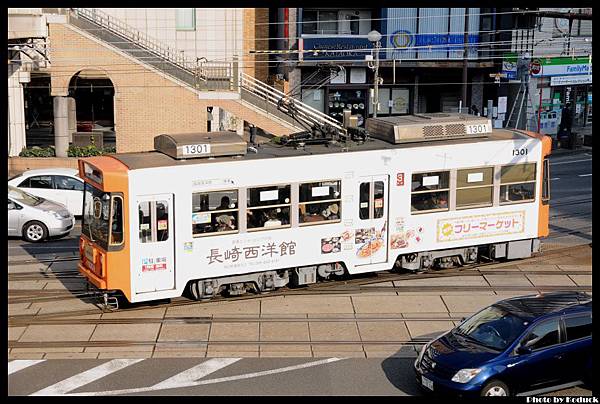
{"points": [[217, 83]]}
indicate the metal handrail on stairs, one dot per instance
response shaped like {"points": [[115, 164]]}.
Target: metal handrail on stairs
{"points": [[209, 75], [274, 96], [118, 27]]}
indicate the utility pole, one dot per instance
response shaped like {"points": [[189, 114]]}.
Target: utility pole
{"points": [[465, 59], [375, 38]]}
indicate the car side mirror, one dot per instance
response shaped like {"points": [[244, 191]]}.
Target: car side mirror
{"points": [[523, 350]]}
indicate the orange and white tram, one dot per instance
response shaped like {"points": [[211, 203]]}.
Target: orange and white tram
{"points": [[201, 213]]}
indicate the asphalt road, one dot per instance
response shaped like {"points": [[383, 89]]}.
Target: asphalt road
{"points": [[221, 376], [571, 199]]}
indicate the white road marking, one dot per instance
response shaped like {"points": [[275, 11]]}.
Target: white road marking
{"points": [[195, 373], [556, 178], [86, 377], [569, 162], [16, 365], [584, 175], [211, 381]]}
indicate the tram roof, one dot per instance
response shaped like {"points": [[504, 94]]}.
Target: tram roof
{"points": [[153, 159]]}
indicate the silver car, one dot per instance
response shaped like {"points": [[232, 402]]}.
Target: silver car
{"points": [[35, 218]]}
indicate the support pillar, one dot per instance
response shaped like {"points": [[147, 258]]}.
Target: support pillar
{"points": [[72, 117], [61, 126], [16, 110]]}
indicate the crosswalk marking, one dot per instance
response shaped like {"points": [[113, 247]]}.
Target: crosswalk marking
{"points": [[86, 377], [195, 373], [16, 365], [190, 383]]}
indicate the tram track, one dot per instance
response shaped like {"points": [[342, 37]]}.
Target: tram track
{"points": [[205, 343], [59, 293], [334, 287], [26, 320]]}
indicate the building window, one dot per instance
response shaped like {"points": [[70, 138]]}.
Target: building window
{"points": [[215, 212], [430, 191], [319, 22], [320, 202], [185, 19], [517, 183], [474, 187], [268, 207]]}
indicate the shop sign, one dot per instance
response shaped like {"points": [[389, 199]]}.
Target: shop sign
{"points": [[509, 66], [570, 80], [561, 66], [351, 47]]}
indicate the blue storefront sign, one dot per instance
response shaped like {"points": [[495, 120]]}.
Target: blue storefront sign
{"points": [[403, 40], [335, 47]]}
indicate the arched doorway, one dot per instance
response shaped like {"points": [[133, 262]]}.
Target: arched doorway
{"points": [[94, 93]]}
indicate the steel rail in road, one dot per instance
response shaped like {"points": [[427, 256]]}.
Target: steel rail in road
{"points": [[206, 343], [25, 320], [243, 319], [343, 291], [323, 287]]}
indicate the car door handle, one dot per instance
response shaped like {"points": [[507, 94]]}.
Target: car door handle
{"points": [[559, 356]]}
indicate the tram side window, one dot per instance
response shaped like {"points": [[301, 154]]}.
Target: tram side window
{"points": [[153, 221], [215, 212], [546, 183], [365, 189], [474, 187], [430, 191], [320, 202], [517, 183], [268, 207], [116, 233]]}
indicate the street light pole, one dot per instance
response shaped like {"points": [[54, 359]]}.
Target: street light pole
{"points": [[375, 38]]}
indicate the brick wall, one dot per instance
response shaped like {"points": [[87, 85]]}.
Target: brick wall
{"points": [[256, 29], [146, 103]]}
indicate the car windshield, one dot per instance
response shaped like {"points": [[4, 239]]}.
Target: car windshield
{"points": [[24, 197], [96, 206], [492, 327]]}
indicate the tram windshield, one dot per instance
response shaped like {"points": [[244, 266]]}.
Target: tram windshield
{"points": [[96, 215]]}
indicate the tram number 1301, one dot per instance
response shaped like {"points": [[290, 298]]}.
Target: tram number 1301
{"points": [[479, 128], [196, 149], [519, 152]]}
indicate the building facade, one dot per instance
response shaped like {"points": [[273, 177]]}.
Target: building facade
{"points": [[126, 70], [421, 58]]}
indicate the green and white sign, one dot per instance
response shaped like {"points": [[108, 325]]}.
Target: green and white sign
{"points": [[561, 66]]}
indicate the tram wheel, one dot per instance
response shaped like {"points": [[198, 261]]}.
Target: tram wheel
{"points": [[194, 290]]}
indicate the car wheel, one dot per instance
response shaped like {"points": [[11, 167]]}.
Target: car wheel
{"points": [[495, 388], [35, 231]]}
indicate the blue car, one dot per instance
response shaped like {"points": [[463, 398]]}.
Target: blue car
{"points": [[519, 346]]}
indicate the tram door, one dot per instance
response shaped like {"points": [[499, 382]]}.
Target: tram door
{"points": [[371, 236], [155, 267]]}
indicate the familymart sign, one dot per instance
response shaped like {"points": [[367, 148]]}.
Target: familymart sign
{"points": [[561, 66]]}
